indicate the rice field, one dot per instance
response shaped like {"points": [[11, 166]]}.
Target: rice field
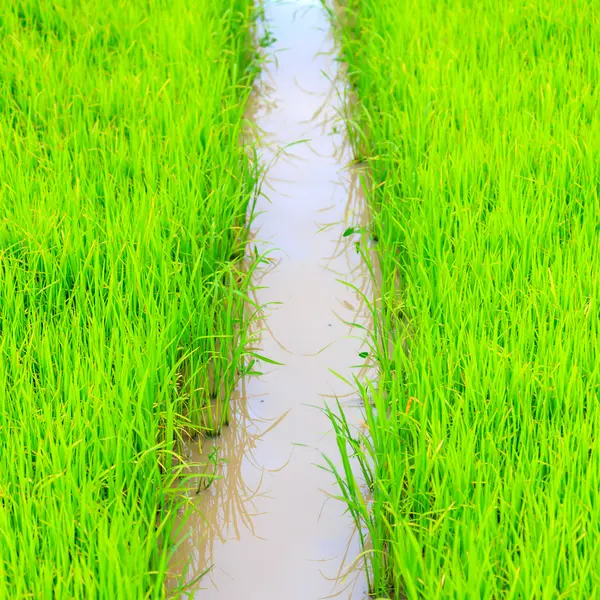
{"points": [[479, 125], [124, 192], [127, 185]]}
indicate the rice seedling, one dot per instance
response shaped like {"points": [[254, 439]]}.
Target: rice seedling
{"points": [[123, 204], [480, 127]]}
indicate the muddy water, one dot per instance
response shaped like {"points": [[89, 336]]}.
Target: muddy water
{"points": [[270, 530]]}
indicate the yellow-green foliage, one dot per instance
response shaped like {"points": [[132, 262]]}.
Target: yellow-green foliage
{"points": [[123, 198], [480, 125]]}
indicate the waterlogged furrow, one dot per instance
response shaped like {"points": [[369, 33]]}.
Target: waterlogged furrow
{"points": [[479, 126], [268, 526], [123, 199]]}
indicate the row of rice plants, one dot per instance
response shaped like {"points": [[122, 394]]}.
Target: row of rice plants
{"points": [[124, 191], [479, 124]]}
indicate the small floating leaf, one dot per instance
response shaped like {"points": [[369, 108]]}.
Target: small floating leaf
{"points": [[364, 354], [348, 232]]}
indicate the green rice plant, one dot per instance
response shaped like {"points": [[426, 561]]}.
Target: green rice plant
{"points": [[479, 123], [124, 197]]}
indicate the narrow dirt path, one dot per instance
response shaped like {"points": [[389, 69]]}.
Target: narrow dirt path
{"points": [[270, 530]]}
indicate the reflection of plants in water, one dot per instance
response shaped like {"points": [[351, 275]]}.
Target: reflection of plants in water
{"points": [[221, 496], [347, 581], [361, 272], [231, 505], [205, 481], [352, 469]]}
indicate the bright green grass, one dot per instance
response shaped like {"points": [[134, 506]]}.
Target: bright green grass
{"points": [[123, 197], [480, 124]]}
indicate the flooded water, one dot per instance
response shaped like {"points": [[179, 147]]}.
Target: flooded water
{"points": [[270, 529]]}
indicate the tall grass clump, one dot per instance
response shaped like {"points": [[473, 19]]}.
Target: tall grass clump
{"points": [[124, 190], [480, 126]]}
